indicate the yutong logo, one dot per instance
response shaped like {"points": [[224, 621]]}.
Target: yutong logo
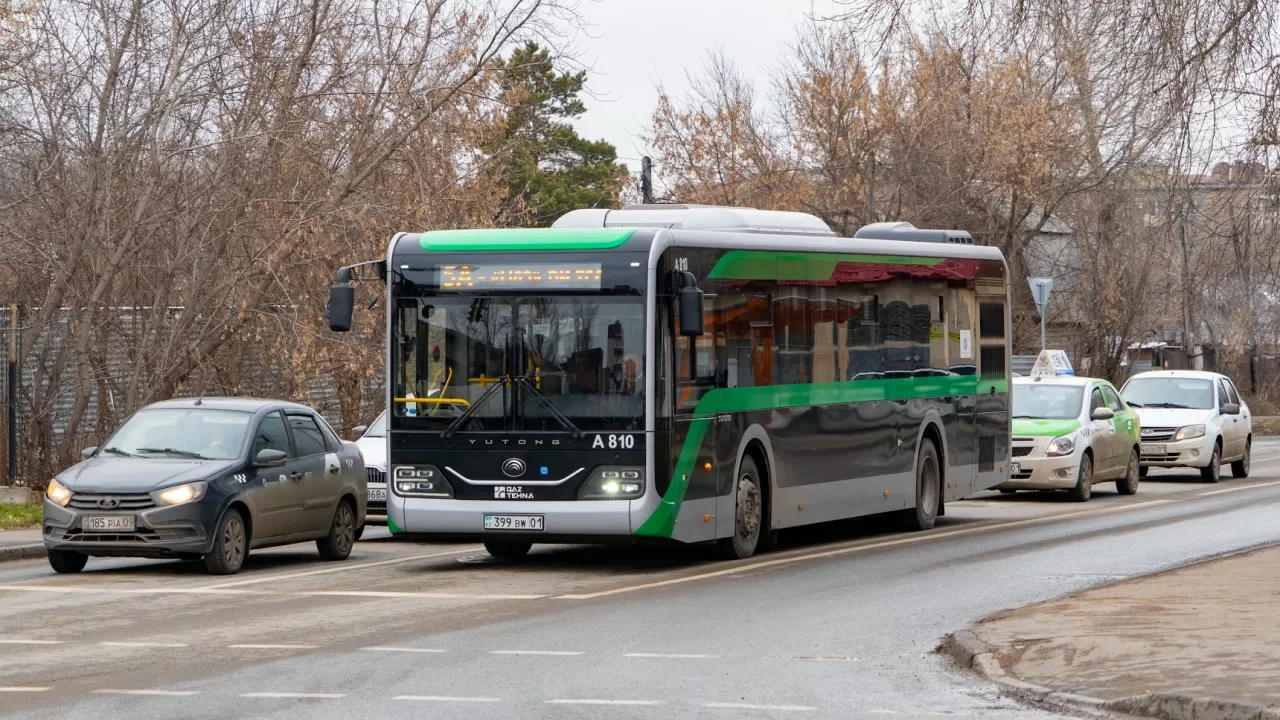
{"points": [[511, 492], [513, 467]]}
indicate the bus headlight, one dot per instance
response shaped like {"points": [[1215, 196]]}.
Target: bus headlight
{"points": [[1060, 446], [613, 483], [420, 481]]}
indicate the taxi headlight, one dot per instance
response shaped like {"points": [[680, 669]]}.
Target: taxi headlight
{"points": [[613, 483], [180, 494], [58, 493], [1190, 432], [1060, 446]]}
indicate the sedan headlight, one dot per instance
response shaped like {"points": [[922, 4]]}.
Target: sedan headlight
{"points": [[58, 493], [1190, 432], [1060, 446], [613, 483], [180, 494]]}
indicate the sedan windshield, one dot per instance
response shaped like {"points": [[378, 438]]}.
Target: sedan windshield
{"points": [[1051, 402], [181, 433], [379, 426], [1169, 392]]}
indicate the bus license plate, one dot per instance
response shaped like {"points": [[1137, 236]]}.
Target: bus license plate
{"points": [[1153, 449], [108, 523], [526, 523]]}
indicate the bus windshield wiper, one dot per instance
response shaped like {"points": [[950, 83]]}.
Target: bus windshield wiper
{"points": [[551, 407], [174, 451], [470, 412]]}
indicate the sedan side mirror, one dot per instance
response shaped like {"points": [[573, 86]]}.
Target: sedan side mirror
{"points": [[1103, 413], [1230, 408], [270, 458], [359, 431], [88, 452]]}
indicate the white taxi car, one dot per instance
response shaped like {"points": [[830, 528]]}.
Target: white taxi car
{"points": [[1191, 419], [1070, 433], [372, 442]]}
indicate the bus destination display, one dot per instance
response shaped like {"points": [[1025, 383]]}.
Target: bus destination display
{"points": [[547, 276]]}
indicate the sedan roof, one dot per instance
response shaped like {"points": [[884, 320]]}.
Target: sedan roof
{"points": [[240, 404]]}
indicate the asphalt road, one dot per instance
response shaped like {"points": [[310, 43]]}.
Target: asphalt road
{"points": [[841, 621]]}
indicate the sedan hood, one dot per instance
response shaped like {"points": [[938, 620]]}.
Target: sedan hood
{"points": [[1172, 417], [106, 473], [374, 452]]}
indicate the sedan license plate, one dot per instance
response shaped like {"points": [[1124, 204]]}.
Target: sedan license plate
{"points": [[526, 523], [1153, 449], [108, 523], [377, 493]]}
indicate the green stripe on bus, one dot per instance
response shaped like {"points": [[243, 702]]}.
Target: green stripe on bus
{"points": [[782, 265], [524, 239], [392, 527], [728, 400]]}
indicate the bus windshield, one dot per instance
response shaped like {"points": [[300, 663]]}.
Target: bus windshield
{"points": [[509, 360]]}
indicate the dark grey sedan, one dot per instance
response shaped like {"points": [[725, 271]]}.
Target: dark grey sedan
{"points": [[209, 478]]}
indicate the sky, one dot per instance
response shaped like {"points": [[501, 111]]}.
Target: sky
{"points": [[631, 46]]}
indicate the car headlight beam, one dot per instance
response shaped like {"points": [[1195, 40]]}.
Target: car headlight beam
{"points": [[58, 493], [180, 494]]}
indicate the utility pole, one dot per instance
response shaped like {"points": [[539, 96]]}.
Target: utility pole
{"points": [[871, 187], [11, 387], [1188, 338], [646, 180]]}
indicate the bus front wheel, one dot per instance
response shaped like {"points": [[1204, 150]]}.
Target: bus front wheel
{"points": [[748, 517]]}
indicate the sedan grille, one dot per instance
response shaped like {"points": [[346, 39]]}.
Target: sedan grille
{"points": [[1158, 434], [374, 475], [112, 501], [1023, 451]]}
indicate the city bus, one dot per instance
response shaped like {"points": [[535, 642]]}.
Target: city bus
{"points": [[693, 374]]}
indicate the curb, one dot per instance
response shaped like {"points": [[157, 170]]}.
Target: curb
{"points": [[22, 552], [971, 653]]}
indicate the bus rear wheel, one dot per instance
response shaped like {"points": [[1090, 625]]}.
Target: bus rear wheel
{"points": [[748, 516], [507, 549], [928, 489]]}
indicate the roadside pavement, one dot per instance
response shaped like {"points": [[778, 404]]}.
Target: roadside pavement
{"points": [[21, 544], [1197, 643]]}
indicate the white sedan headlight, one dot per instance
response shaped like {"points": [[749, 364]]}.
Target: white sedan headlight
{"points": [[1189, 432], [1059, 446], [180, 494]]}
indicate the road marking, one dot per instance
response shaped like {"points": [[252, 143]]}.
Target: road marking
{"points": [[91, 590], [251, 646], [404, 650], [162, 693], [340, 568], [861, 547], [1238, 489], [674, 656], [143, 644], [318, 696], [590, 701], [14, 641], [534, 652], [751, 706], [12, 689], [817, 658], [443, 698]]}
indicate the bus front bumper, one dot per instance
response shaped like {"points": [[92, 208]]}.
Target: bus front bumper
{"points": [[467, 518]]}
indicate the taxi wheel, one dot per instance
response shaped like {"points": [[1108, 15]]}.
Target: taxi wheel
{"points": [[507, 549], [230, 545], [1240, 468], [67, 561], [1084, 482], [1128, 485], [342, 534], [1213, 472]]}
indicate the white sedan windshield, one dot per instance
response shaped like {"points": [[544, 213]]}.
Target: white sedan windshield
{"points": [[1169, 392]]}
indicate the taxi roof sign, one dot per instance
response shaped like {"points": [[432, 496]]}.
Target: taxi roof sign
{"points": [[1052, 363]]}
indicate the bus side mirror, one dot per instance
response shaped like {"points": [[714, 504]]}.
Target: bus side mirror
{"points": [[691, 320], [342, 300]]}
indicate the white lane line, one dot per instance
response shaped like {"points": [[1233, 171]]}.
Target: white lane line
{"points": [[673, 656], [1238, 489], [404, 650], [317, 696], [90, 590], [752, 706], [16, 641], [13, 689], [534, 652], [850, 549], [601, 701], [143, 644], [445, 698], [253, 646], [161, 693], [350, 567]]}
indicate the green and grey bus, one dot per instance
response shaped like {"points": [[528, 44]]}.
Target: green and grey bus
{"points": [[686, 373]]}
